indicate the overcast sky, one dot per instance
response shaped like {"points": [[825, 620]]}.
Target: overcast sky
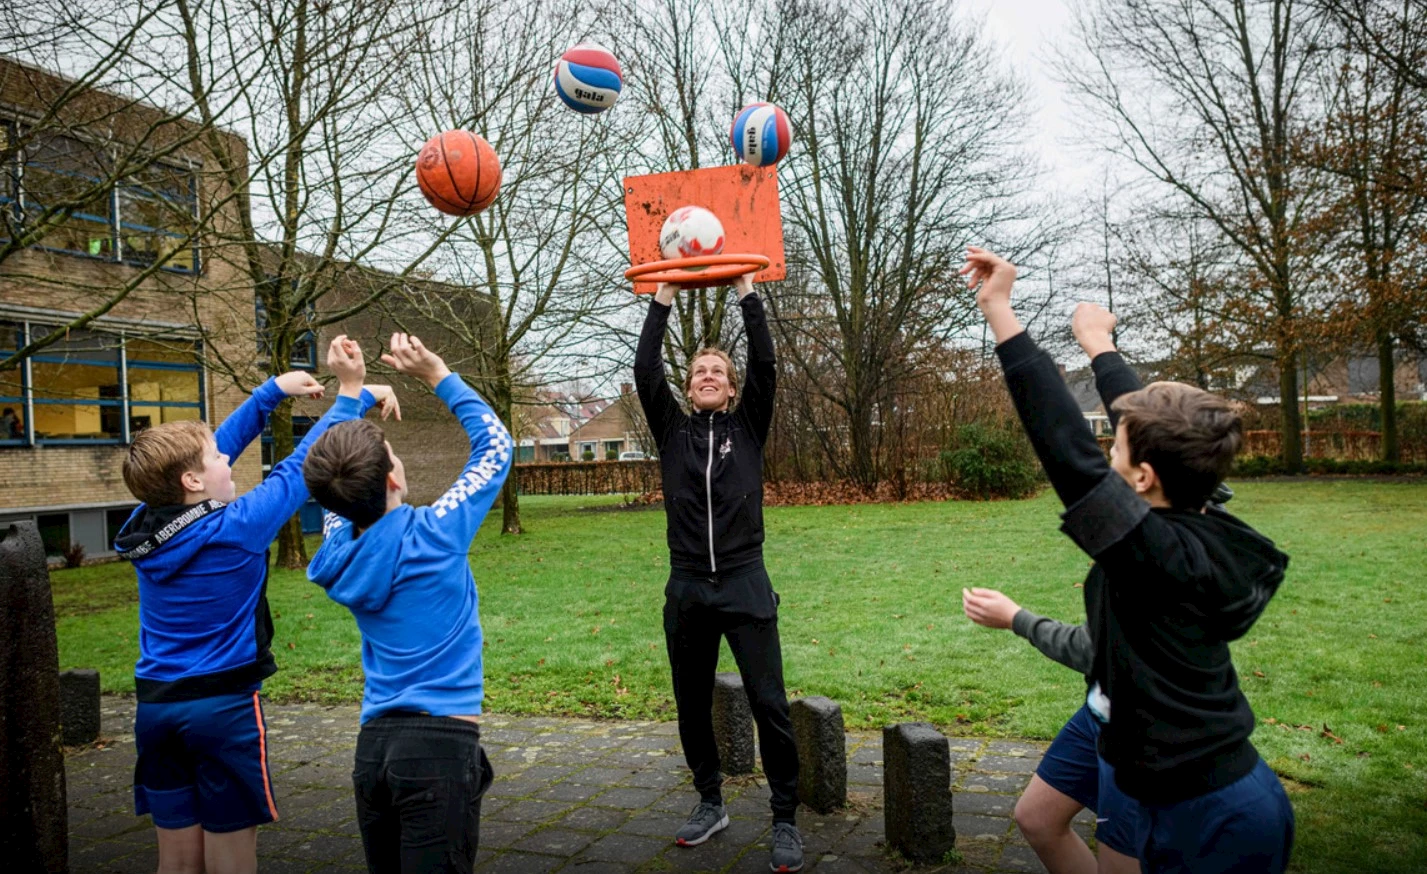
{"points": [[1028, 29]]}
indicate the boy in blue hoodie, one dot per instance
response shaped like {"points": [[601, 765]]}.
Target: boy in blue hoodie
{"points": [[405, 574], [204, 626]]}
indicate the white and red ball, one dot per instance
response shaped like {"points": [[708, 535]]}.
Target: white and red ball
{"points": [[690, 231], [588, 78], [761, 134]]}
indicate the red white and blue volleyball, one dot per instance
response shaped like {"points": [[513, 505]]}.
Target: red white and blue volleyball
{"points": [[588, 78], [761, 134]]}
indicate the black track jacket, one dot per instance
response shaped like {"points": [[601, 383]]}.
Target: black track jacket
{"points": [[712, 462], [1167, 593]]}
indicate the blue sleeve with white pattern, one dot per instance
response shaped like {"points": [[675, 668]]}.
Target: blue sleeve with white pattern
{"points": [[457, 515]]}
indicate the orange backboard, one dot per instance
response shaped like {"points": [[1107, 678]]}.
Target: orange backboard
{"points": [[744, 198]]}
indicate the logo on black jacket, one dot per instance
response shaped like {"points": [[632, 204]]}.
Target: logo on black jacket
{"points": [[726, 447]]}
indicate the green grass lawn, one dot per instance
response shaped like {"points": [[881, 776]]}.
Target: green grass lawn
{"points": [[871, 617]]}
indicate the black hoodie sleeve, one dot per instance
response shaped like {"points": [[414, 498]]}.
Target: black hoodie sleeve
{"points": [[661, 408], [1113, 377], [760, 383], [1103, 514]]}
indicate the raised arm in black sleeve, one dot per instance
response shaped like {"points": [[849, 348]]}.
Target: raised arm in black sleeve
{"points": [[1052, 419], [1101, 508], [661, 408], [761, 381], [1113, 377]]}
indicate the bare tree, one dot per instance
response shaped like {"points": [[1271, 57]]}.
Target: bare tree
{"points": [[1374, 145], [1378, 27], [908, 150], [323, 222], [96, 121], [1180, 275], [542, 255], [1207, 97]]}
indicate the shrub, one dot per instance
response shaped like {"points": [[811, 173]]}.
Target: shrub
{"points": [[588, 455], [991, 461], [74, 555], [560, 456], [611, 455]]}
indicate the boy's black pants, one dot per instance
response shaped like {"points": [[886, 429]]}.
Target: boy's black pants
{"points": [[419, 781], [698, 611]]}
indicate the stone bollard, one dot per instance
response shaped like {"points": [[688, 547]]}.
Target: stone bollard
{"points": [[822, 753], [79, 706], [916, 785], [732, 725], [34, 823]]}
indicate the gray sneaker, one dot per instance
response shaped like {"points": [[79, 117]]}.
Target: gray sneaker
{"points": [[706, 820], [787, 848]]}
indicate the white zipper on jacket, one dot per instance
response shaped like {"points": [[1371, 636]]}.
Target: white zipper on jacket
{"points": [[708, 492]]}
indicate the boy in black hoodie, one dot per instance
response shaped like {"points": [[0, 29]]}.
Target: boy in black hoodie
{"points": [[1174, 581]]}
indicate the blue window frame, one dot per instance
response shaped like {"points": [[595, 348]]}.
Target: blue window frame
{"points": [[150, 216], [304, 348], [96, 387]]}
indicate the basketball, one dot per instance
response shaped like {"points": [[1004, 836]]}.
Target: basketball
{"points": [[458, 172], [761, 134], [588, 78], [690, 231]]}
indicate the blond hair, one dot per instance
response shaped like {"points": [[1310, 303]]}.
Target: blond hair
{"points": [[160, 456]]}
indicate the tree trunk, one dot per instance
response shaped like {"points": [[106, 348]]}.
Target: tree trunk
{"points": [[1291, 423], [1387, 389], [503, 404], [291, 551], [862, 465]]}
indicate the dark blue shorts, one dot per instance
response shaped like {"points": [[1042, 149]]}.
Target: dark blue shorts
{"points": [[1243, 828], [203, 762], [1073, 767]]}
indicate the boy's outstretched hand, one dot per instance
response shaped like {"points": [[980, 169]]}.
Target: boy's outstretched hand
{"points": [[410, 357], [300, 384], [344, 359], [1094, 328], [386, 401], [989, 607], [992, 276]]}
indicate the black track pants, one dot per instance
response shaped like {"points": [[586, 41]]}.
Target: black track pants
{"points": [[698, 611]]}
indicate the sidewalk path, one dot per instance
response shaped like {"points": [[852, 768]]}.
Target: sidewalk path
{"points": [[570, 795]]}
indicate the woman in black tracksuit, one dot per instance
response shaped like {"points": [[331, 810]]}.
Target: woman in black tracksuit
{"points": [[712, 464]]}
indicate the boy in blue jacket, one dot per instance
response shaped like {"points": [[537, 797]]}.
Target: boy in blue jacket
{"points": [[404, 573], [204, 626]]}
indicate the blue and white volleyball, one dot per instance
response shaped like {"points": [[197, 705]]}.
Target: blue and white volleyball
{"points": [[761, 134], [588, 78]]}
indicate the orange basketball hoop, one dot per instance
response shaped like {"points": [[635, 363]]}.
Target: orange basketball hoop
{"points": [[744, 198], [680, 270]]}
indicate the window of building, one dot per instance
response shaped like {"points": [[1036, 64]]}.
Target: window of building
{"points": [[165, 383], [63, 173], [114, 520], [12, 388], [158, 211], [75, 392], [96, 387], [54, 532], [65, 183], [304, 347]]}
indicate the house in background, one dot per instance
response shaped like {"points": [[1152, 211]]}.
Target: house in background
{"points": [[618, 427]]}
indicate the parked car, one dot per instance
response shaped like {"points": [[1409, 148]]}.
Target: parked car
{"points": [[632, 455]]}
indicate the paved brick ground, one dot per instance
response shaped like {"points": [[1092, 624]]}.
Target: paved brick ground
{"points": [[570, 796]]}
